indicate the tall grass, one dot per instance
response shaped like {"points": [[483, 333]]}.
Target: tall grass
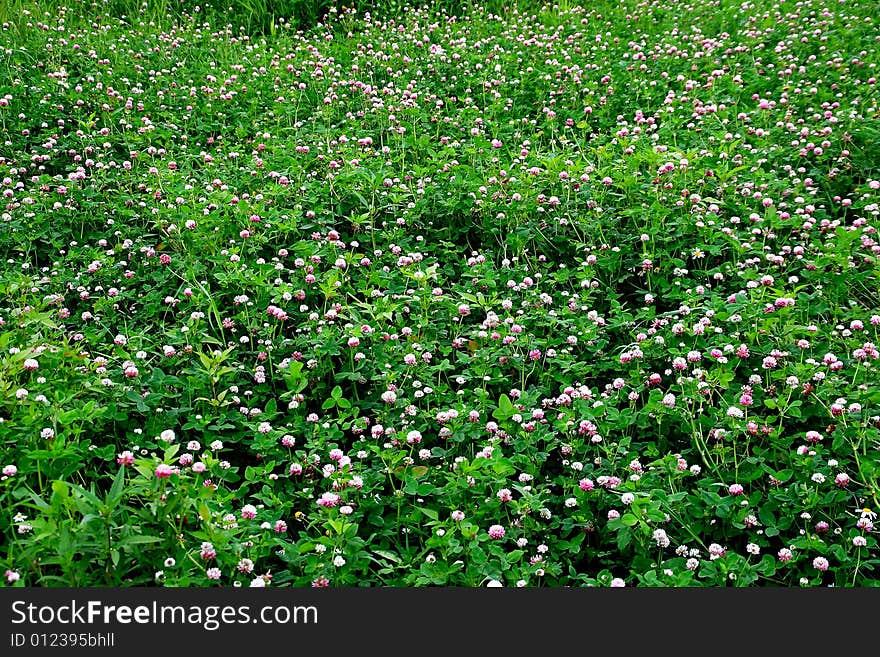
{"points": [[252, 17]]}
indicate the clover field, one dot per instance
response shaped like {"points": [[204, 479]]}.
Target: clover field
{"points": [[551, 296]]}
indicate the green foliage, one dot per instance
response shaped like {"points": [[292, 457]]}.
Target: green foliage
{"points": [[393, 295]]}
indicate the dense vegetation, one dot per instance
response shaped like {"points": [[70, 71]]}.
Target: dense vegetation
{"points": [[550, 296]]}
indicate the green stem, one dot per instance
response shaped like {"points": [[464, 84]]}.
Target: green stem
{"points": [[858, 564]]}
